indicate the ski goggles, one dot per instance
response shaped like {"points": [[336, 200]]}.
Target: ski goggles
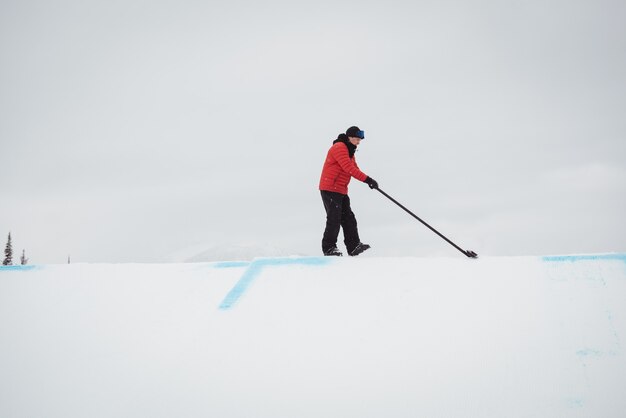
{"points": [[361, 134]]}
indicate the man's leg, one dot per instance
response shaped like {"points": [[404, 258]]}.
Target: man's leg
{"points": [[348, 223], [333, 203]]}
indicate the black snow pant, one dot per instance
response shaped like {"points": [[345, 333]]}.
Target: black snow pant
{"points": [[339, 214]]}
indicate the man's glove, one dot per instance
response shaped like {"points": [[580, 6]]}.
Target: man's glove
{"points": [[372, 183]]}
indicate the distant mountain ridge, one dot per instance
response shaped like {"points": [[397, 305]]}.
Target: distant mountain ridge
{"points": [[237, 252]]}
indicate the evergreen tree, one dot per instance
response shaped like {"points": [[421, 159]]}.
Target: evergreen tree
{"points": [[24, 260], [8, 253]]}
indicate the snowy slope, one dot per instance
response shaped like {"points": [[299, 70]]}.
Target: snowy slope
{"points": [[316, 337]]}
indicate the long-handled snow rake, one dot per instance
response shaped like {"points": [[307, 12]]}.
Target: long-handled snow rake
{"points": [[468, 253]]}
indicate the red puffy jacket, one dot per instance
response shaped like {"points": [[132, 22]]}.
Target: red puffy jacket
{"points": [[338, 169]]}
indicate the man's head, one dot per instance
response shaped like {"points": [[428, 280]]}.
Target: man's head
{"points": [[355, 135]]}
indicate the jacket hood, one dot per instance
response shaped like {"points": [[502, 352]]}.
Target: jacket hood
{"points": [[344, 138]]}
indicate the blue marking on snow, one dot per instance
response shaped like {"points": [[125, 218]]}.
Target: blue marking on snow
{"points": [[575, 402], [592, 257], [588, 352], [231, 264], [256, 267], [18, 268], [241, 286]]}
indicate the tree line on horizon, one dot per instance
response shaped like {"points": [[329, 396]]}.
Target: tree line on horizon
{"points": [[8, 254]]}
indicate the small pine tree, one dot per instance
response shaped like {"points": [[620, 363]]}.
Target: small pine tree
{"points": [[23, 259], [8, 253]]}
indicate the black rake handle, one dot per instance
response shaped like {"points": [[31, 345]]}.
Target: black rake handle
{"points": [[468, 253]]}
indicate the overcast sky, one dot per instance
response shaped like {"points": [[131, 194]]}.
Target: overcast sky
{"points": [[152, 130]]}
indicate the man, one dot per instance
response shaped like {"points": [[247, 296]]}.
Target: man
{"points": [[339, 168]]}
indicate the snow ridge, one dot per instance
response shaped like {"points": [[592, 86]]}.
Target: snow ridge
{"points": [[316, 336]]}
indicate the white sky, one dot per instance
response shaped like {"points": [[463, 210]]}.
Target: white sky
{"points": [[135, 130]]}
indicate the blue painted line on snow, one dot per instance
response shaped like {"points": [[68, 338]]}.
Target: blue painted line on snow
{"points": [[592, 257], [241, 286], [231, 264], [256, 267], [588, 352], [18, 268]]}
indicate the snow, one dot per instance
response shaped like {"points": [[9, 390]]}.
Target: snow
{"points": [[316, 337]]}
